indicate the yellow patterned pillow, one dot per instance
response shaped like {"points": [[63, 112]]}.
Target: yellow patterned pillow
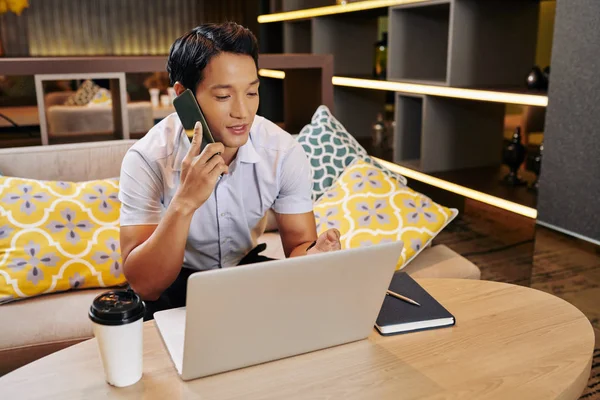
{"points": [[368, 207], [56, 236]]}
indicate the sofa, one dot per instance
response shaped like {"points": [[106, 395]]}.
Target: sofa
{"points": [[35, 327], [67, 121]]}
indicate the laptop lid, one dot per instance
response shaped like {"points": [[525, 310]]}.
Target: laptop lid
{"points": [[242, 316]]}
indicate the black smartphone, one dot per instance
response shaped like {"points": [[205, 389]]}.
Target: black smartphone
{"points": [[189, 113]]}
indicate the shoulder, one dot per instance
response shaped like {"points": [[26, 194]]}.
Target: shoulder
{"points": [[160, 142], [268, 137]]}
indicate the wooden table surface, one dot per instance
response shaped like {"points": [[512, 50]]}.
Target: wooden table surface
{"points": [[510, 342]]}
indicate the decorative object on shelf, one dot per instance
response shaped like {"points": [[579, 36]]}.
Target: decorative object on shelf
{"points": [[378, 132], [534, 164], [154, 96], [172, 94], [513, 156], [538, 79], [546, 73], [165, 100], [15, 6], [380, 58]]}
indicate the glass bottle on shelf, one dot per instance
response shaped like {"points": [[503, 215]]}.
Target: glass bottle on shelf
{"points": [[378, 133], [380, 58]]}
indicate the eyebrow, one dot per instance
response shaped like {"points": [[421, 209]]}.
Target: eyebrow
{"points": [[229, 86]]}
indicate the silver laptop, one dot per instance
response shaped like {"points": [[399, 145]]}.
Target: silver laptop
{"points": [[242, 316]]}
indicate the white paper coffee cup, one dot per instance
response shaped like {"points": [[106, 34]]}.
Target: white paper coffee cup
{"points": [[117, 318]]}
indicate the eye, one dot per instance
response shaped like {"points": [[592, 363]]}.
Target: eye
{"points": [[222, 98], [253, 94]]}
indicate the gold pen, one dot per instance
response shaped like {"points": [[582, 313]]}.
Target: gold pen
{"points": [[399, 296]]}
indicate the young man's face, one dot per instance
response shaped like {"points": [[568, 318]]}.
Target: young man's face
{"points": [[228, 97]]}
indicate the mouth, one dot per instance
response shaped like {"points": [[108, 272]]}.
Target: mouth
{"points": [[238, 129]]}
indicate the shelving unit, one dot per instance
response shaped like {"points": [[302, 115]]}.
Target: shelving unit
{"points": [[447, 44], [452, 77]]}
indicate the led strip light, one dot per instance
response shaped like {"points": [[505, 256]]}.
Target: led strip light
{"points": [[271, 73], [461, 190], [330, 10], [444, 91], [432, 90]]}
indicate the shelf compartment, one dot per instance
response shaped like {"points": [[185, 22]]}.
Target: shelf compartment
{"points": [[463, 43], [357, 109], [409, 129], [454, 133], [297, 37], [418, 42], [350, 39]]}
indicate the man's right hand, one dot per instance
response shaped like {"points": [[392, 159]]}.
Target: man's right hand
{"points": [[200, 172]]}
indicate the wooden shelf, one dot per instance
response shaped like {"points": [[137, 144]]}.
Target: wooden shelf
{"points": [[485, 180], [332, 10], [507, 96], [480, 184], [488, 180]]}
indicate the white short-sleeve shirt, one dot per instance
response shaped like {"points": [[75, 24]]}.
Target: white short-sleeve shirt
{"points": [[270, 171]]}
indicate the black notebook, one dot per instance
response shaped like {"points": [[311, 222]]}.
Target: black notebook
{"points": [[399, 316]]}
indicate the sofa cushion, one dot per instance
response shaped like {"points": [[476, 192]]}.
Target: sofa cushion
{"points": [[84, 94], [36, 327], [369, 207], [330, 149], [58, 236]]}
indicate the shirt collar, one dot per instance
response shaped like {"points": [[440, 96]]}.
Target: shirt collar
{"points": [[246, 154]]}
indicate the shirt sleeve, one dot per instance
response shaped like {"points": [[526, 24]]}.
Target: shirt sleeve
{"points": [[140, 191], [295, 184]]}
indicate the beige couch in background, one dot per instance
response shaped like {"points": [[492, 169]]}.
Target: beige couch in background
{"points": [[66, 121], [35, 327]]}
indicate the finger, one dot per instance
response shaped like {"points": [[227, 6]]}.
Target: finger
{"points": [[210, 151], [218, 170], [329, 240], [333, 235], [194, 149], [212, 163]]}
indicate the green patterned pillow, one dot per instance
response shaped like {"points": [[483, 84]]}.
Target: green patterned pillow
{"points": [[330, 149]]}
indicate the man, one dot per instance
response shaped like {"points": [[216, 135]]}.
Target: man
{"points": [[185, 210]]}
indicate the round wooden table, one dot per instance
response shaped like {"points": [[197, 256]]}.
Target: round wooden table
{"points": [[510, 342]]}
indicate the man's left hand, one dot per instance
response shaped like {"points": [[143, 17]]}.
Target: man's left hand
{"points": [[327, 241]]}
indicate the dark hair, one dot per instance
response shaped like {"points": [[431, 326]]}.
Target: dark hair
{"points": [[190, 53]]}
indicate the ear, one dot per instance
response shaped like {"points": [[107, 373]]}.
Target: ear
{"points": [[179, 88]]}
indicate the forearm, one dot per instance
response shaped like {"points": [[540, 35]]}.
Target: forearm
{"points": [[154, 265], [301, 249]]}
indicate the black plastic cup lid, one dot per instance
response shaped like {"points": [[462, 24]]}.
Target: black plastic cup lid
{"points": [[117, 307]]}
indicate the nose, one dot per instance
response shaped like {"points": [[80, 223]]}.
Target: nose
{"points": [[239, 109]]}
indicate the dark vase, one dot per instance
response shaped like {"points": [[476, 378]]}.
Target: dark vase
{"points": [[536, 80], [513, 156]]}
